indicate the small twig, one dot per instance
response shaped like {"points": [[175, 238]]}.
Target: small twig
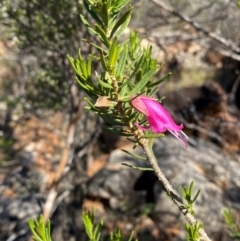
{"points": [[169, 189], [233, 92], [48, 206], [229, 54], [67, 152], [235, 50]]}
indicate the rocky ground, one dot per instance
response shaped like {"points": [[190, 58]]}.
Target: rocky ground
{"points": [[124, 197], [94, 176]]}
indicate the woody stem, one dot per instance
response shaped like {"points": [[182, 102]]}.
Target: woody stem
{"points": [[169, 189]]}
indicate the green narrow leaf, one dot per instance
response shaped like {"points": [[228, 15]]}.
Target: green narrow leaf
{"points": [[132, 140], [103, 35], [86, 23], [103, 62], [121, 3], [123, 27], [112, 121], [93, 94], [89, 66], [112, 22], [71, 61], [137, 68], [95, 231], [134, 116], [33, 229], [123, 90], [122, 61], [121, 21], [95, 46], [78, 67], [138, 168], [81, 84], [131, 237], [92, 13], [153, 92], [116, 131], [88, 225], [138, 76], [196, 196], [84, 20], [143, 82], [83, 67], [81, 63], [185, 190], [164, 78], [105, 13], [93, 31], [85, 86], [48, 231], [113, 54], [104, 84], [134, 155], [181, 191], [90, 104], [41, 227], [191, 188]]}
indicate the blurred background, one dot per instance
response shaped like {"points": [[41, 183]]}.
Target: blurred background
{"points": [[56, 159]]}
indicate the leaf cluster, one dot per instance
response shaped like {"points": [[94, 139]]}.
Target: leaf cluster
{"points": [[232, 224], [127, 69], [193, 231], [40, 230], [187, 194], [94, 230]]}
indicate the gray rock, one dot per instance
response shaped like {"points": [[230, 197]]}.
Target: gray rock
{"points": [[215, 173], [116, 183], [14, 215]]}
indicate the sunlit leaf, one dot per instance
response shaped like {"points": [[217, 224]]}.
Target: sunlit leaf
{"points": [[103, 35], [143, 82], [122, 61], [113, 54], [121, 21]]}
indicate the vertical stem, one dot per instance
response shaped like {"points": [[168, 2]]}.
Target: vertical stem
{"points": [[169, 189]]}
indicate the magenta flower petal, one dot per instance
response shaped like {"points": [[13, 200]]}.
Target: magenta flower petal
{"points": [[140, 106], [158, 117]]}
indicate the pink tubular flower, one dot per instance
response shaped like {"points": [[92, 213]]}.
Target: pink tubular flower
{"points": [[158, 117]]}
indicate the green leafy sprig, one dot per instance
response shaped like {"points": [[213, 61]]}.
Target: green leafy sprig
{"points": [[94, 230], [232, 224], [193, 231], [126, 68], [40, 230], [187, 194]]}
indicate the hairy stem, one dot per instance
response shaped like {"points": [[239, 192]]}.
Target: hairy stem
{"points": [[169, 189]]}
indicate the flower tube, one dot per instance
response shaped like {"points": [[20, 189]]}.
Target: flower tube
{"points": [[158, 117]]}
